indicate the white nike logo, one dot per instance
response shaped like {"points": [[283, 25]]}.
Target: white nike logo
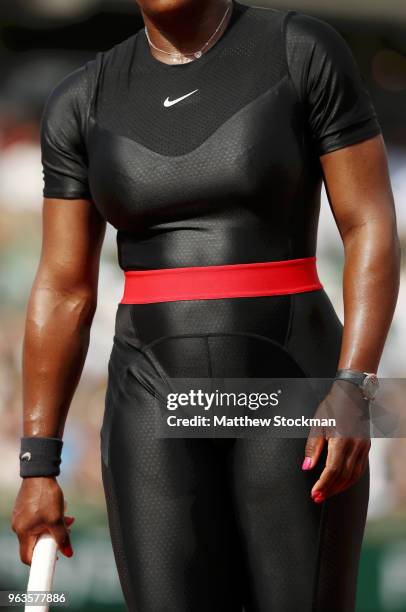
{"points": [[169, 102]]}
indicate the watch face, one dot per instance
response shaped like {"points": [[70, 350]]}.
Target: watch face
{"points": [[370, 386]]}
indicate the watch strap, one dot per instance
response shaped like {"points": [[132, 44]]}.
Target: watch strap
{"points": [[353, 376]]}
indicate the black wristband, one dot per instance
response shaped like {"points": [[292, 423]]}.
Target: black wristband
{"points": [[40, 456]]}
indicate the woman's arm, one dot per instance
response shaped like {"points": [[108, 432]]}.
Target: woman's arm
{"points": [[60, 312], [360, 196], [58, 321]]}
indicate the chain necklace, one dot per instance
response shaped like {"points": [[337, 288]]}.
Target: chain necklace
{"points": [[180, 57]]}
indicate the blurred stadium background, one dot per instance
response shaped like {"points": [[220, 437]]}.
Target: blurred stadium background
{"points": [[40, 42]]}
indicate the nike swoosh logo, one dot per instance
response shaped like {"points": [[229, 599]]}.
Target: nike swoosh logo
{"points": [[169, 102]]}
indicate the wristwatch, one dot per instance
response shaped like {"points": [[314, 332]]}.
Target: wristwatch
{"points": [[366, 381]]}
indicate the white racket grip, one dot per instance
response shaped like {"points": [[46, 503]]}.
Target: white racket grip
{"points": [[42, 569]]}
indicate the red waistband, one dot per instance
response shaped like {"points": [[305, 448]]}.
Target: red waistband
{"points": [[214, 282]]}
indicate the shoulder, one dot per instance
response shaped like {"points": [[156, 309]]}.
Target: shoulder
{"points": [[120, 53], [307, 32], [264, 16], [66, 109], [78, 85], [300, 34], [75, 82], [297, 27], [71, 94], [317, 54], [71, 98]]}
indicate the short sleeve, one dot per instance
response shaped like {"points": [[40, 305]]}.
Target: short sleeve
{"points": [[338, 106], [63, 138]]}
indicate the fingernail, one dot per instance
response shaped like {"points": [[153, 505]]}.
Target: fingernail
{"points": [[307, 463], [318, 497], [67, 551]]}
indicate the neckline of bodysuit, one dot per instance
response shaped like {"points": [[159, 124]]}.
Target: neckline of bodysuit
{"points": [[148, 59]]}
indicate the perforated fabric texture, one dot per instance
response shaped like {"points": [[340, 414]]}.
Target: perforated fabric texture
{"points": [[125, 88], [223, 524], [228, 173], [246, 61], [337, 105], [63, 137]]}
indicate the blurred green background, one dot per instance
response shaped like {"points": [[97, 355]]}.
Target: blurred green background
{"points": [[40, 42]]}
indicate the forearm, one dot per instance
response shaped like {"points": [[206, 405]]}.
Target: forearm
{"points": [[56, 341], [370, 289]]}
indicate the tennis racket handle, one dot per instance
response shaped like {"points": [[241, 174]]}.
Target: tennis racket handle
{"points": [[42, 568]]}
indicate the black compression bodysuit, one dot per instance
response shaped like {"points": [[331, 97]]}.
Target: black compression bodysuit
{"points": [[230, 174]]}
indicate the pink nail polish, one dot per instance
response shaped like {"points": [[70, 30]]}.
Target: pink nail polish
{"points": [[307, 463]]}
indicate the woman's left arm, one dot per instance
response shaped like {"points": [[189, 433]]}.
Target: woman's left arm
{"points": [[359, 192]]}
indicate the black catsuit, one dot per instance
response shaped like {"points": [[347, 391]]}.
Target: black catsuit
{"points": [[230, 174]]}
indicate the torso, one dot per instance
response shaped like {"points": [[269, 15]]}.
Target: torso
{"points": [[226, 175]]}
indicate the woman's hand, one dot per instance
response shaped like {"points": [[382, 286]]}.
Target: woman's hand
{"points": [[39, 508], [348, 443]]}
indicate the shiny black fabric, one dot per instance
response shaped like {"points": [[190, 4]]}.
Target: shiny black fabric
{"points": [[223, 524], [230, 174]]}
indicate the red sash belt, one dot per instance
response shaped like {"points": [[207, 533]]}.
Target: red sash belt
{"points": [[214, 282]]}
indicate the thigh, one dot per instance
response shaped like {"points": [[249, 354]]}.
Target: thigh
{"points": [[168, 506], [302, 556]]}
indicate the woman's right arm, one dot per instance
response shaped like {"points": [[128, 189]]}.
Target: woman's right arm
{"points": [[59, 315]]}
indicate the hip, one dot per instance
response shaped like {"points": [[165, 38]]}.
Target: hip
{"points": [[300, 328]]}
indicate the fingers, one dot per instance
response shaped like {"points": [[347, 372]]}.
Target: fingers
{"points": [[357, 464], [60, 533], [346, 462], [28, 539], [39, 508], [27, 544], [314, 446], [330, 475], [27, 532], [69, 520]]}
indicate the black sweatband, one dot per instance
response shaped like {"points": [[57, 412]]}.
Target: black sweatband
{"points": [[40, 456]]}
